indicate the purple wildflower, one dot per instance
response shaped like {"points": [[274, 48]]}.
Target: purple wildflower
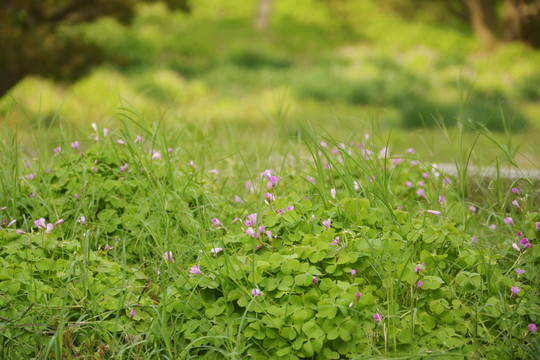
{"points": [[195, 269], [515, 290]]}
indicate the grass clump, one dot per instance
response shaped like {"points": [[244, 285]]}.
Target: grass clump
{"points": [[143, 242]]}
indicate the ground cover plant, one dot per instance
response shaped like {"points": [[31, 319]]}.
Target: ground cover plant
{"points": [[141, 242]]}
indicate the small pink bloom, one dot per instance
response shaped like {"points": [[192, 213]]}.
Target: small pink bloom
{"points": [[19, 231], [105, 132], [333, 193], [270, 197], [538, 225], [237, 199], [251, 232], [425, 175], [326, 223], [474, 240], [410, 151], [419, 284], [520, 271], [356, 185], [30, 176], [515, 190], [310, 179], [267, 173], [167, 255], [397, 161], [414, 163], [61, 221], [82, 220], [40, 223], [434, 212], [124, 167], [76, 196], [107, 247], [420, 192], [50, 228], [120, 142], [532, 328], [195, 269], [409, 184], [442, 200], [94, 169], [516, 247], [323, 144], [252, 219], [509, 221], [519, 234], [261, 229], [256, 292], [525, 243], [447, 181], [76, 145], [156, 155], [216, 251], [289, 208], [12, 222], [314, 280], [169, 150], [335, 241], [418, 269], [280, 211], [94, 126], [353, 273], [57, 150], [472, 209], [493, 226], [138, 139], [377, 317], [214, 171], [269, 234], [236, 219], [358, 296], [516, 204], [515, 290], [132, 313], [273, 182], [217, 222]]}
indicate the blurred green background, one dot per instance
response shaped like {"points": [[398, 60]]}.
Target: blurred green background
{"points": [[340, 66]]}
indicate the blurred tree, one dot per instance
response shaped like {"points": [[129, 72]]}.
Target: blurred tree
{"points": [[35, 36], [490, 20], [262, 16]]}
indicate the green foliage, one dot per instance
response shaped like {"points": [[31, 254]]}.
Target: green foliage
{"points": [[167, 263]]}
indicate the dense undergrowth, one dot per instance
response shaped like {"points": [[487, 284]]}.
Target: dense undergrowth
{"points": [[138, 243]]}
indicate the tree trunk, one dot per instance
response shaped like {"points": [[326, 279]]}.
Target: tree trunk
{"points": [[483, 19], [8, 80], [262, 17], [522, 21]]}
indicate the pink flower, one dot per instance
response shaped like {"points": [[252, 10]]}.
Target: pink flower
{"points": [[442, 199], [261, 229], [509, 221], [237, 199], [256, 292], [519, 233], [19, 231], [76, 145], [516, 204], [124, 167], [353, 273], [273, 182], [12, 222], [167, 255], [419, 284], [82, 220], [120, 142], [280, 211], [356, 185], [515, 290], [94, 169], [252, 219], [105, 132], [30, 176], [195, 269], [57, 150], [434, 212], [214, 171], [538, 225], [410, 151], [251, 232], [216, 251], [414, 163], [314, 281], [422, 183], [61, 221], [327, 223], [525, 243], [516, 247], [515, 190], [217, 222], [333, 193], [269, 234], [472, 209], [76, 196], [474, 240], [532, 328], [492, 226], [132, 313], [107, 247], [418, 269], [290, 207], [358, 296], [397, 161], [40, 223], [156, 155], [420, 192], [267, 173], [270, 197], [50, 228], [520, 271], [377, 317], [409, 184], [425, 175], [310, 179], [192, 164], [138, 139]]}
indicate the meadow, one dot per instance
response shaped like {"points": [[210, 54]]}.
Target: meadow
{"points": [[216, 192]]}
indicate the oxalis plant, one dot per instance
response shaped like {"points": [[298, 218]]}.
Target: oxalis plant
{"points": [[128, 245]]}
